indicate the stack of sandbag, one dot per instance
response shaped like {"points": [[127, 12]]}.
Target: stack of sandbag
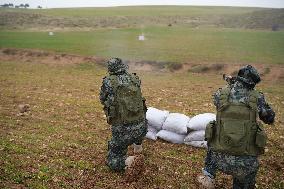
{"points": [[197, 126], [174, 128], [155, 119]]}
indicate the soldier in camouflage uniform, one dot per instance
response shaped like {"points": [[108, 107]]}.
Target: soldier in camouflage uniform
{"points": [[242, 165], [125, 110]]}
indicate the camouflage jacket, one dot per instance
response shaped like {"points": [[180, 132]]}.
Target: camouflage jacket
{"points": [[107, 93]]}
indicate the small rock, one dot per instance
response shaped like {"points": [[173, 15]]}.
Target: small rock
{"points": [[24, 108], [55, 179], [20, 114]]}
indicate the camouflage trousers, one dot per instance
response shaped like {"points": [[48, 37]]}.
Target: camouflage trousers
{"points": [[123, 136], [242, 168]]}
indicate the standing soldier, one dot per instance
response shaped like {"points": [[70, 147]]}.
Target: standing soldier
{"points": [[237, 138], [125, 110]]}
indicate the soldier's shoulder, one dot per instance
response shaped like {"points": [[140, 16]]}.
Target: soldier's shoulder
{"points": [[107, 80], [224, 90], [257, 92], [110, 77]]}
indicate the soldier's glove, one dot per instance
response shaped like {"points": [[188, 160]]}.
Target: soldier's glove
{"points": [[267, 116]]}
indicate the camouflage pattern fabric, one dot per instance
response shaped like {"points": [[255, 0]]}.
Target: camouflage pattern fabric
{"points": [[122, 137], [242, 168], [119, 69], [239, 93], [249, 76], [116, 66]]}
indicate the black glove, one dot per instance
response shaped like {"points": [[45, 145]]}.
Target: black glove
{"points": [[267, 115]]}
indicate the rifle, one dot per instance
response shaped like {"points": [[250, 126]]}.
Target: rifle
{"points": [[230, 79]]}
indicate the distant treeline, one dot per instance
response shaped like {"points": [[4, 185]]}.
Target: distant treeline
{"points": [[11, 5]]}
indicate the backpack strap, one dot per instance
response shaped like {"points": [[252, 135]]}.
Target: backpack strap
{"points": [[253, 101], [224, 102], [224, 97], [135, 79], [113, 82]]}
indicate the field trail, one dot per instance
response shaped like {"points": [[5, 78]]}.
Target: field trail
{"points": [[271, 73], [45, 57]]}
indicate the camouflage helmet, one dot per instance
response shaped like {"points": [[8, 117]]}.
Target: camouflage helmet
{"points": [[116, 66], [249, 76]]}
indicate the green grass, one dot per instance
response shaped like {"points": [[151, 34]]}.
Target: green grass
{"points": [[142, 11], [139, 16], [176, 44]]}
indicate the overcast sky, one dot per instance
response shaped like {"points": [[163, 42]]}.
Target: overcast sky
{"points": [[106, 3]]}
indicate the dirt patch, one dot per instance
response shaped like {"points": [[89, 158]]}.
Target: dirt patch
{"points": [[134, 172], [268, 72], [45, 57], [48, 57], [147, 65]]}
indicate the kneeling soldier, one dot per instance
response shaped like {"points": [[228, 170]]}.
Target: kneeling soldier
{"points": [[237, 138]]}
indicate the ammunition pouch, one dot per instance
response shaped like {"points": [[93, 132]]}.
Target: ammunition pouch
{"points": [[110, 114], [209, 131], [236, 131], [260, 138]]}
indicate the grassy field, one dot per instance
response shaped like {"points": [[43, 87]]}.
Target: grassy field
{"points": [[61, 143], [148, 11], [137, 16], [168, 44]]}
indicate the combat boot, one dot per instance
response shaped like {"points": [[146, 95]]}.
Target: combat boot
{"points": [[129, 160], [137, 148], [135, 167], [206, 181]]}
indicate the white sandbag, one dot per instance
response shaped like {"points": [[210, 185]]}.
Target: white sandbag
{"points": [[176, 123], [151, 134], [156, 117], [195, 136], [198, 144], [171, 136], [200, 121]]}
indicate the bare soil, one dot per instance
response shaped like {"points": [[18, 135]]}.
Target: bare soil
{"points": [[273, 73]]}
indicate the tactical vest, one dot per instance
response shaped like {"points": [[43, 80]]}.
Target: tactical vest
{"points": [[236, 130], [128, 105]]}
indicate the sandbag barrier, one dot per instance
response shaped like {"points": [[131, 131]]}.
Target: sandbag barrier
{"points": [[178, 128]]}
